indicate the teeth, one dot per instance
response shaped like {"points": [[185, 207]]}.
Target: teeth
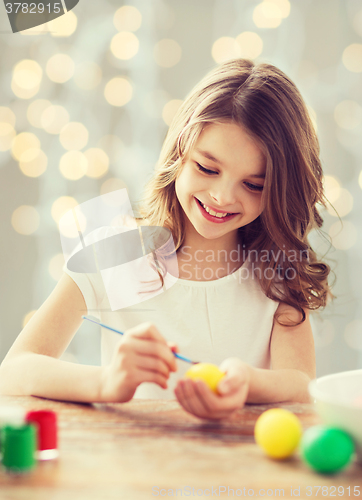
{"points": [[215, 214]]}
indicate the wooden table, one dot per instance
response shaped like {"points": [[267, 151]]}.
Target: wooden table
{"points": [[153, 449]]}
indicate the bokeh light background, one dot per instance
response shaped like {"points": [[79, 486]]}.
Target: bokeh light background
{"points": [[85, 104]]}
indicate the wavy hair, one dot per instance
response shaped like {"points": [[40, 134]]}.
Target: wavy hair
{"points": [[268, 105]]}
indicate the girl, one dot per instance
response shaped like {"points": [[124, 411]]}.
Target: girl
{"points": [[237, 184]]}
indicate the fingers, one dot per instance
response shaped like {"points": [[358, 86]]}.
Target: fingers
{"points": [[146, 331], [153, 377], [237, 373], [146, 340], [229, 384], [152, 364], [142, 355], [155, 350], [188, 398], [196, 398], [215, 405], [173, 346]]}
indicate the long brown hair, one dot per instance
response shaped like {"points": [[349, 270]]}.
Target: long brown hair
{"points": [[268, 105]]}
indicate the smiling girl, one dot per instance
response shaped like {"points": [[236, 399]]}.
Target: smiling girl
{"points": [[237, 184]]}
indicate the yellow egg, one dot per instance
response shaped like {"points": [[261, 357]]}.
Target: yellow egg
{"points": [[278, 432], [207, 372]]}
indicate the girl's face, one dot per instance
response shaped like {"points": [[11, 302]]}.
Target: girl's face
{"points": [[223, 174]]}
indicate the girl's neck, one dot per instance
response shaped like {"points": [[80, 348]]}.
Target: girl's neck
{"points": [[201, 259]]}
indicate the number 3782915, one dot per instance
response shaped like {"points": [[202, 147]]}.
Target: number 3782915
{"points": [[33, 8]]}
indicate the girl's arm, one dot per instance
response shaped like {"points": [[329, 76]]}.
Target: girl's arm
{"points": [[293, 367], [32, 367], [292, 361]]}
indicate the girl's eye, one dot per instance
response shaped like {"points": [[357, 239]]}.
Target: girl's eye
{"points": [[254, 187], [205, 170]]}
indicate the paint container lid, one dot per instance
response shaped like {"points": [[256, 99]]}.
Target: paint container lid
{"points": [[46, 421], [12, 415], [19, 447]]}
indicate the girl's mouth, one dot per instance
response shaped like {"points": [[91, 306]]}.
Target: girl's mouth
{"points": [[213, 218]]}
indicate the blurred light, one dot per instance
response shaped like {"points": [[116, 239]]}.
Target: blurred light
{"points": [[167, 53], [35, 110], [283, 6], [250, 45], [348, 114], [113, 146], [352, 57], [127, 18], [54, 119], [118, 91], [23, 93], [28, 317], [353, 334], [74, 136], [98, 163], [313, 117], [360, 180], [33, 162], [22, 142], [170, 109], [60, 68], [25, 219], [224, 48], [73, 223], [357, 23], [87, 75], [7, 116], [267, 15], [61, 206], [27, 76], [343, 238], [332, 188], [64, 25], [55, 267], [7, 134], [343, 204], [124, 45], [73, 165], [110, 185]]}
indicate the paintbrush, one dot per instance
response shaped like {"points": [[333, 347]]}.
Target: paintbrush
{"points": [[178, 356]]}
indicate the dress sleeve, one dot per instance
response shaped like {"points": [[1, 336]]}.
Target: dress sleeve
{"points": [[89, 283], [91, 287]]}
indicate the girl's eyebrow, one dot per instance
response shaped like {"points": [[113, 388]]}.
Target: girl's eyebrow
{"points": [[258, 176], [209, 156]]}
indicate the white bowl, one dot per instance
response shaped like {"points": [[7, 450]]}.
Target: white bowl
{"points": [[335, 397]]}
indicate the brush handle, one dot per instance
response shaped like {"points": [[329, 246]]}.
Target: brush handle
{"points": [[179, 356]]}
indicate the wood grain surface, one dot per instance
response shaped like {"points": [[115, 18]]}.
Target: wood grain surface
{"points": [[153, 449]]}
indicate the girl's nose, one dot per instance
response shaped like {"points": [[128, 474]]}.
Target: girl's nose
{"points": [[224, 197]]}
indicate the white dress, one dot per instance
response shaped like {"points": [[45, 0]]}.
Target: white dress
{"points": [[210, 321]]}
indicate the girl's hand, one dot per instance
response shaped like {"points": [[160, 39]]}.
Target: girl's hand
{"points": [[142, 355], [197, 398]]}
